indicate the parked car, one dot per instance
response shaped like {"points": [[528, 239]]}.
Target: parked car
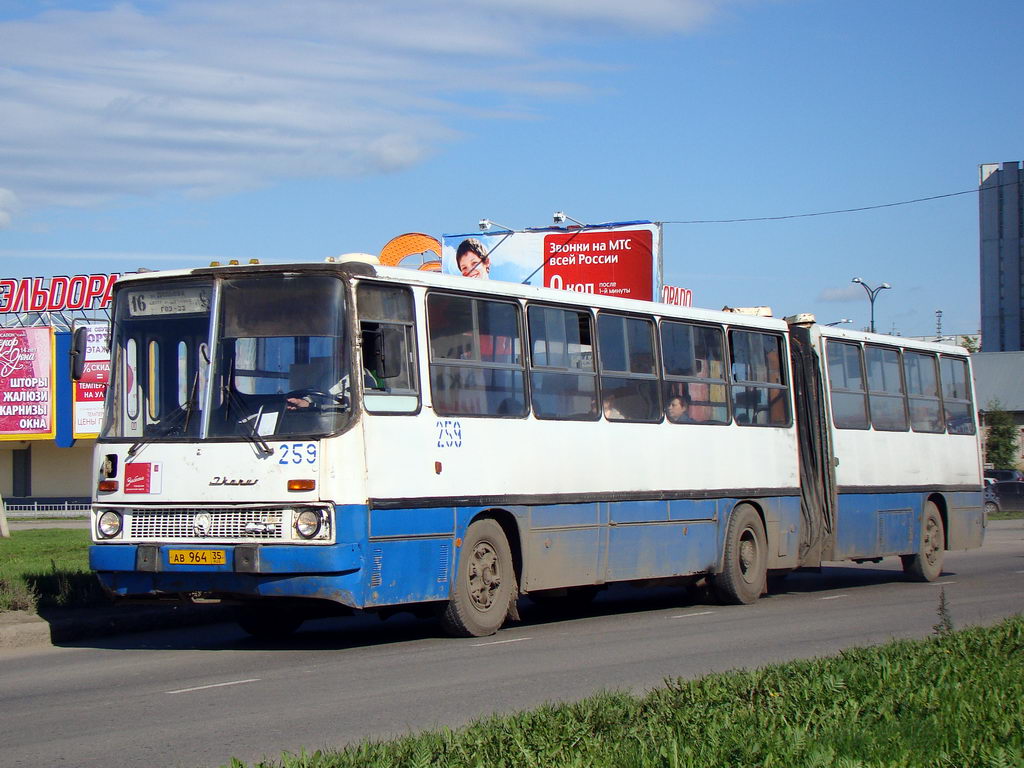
{"points": [[1004, 496], [1004, 474]]}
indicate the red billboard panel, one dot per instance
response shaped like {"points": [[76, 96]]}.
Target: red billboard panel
{"points": [[617, 263]]}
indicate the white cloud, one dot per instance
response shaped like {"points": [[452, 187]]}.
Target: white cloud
{"points": [[209, 96], [846, 293], [9, 205]]}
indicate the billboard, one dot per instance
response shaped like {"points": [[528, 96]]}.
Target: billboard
{"points": [[90, 390], [26, 384], [621, 259]]}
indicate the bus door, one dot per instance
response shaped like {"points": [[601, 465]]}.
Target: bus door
{"points": [[817, 476]]}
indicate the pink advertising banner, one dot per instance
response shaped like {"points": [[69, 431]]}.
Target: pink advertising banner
{"points": [[26, 384]]}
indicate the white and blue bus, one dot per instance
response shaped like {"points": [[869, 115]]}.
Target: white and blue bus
{"points": [[345, 436]]}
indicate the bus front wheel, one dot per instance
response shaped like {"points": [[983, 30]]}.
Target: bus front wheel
{"points": [[926, 565], [484, 585], [745, 559]]}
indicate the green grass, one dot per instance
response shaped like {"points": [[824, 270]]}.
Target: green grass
{"points": [[954, 700], [1007, 516], [46, 568]]}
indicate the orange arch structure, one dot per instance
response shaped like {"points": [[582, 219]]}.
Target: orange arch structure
{"points": [[411, 244]]}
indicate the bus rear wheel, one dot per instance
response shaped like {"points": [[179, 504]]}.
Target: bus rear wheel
{"points": [[745, 560], [926, 565], [484, 585]]}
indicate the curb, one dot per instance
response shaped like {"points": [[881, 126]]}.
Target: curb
{"points": [[21, 629]]}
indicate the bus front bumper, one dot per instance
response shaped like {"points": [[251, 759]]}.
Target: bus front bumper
{"points": [[247, 571]]}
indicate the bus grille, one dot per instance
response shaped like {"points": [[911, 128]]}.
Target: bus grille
{"points": [[204, 524]]}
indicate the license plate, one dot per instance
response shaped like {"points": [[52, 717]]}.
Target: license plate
{"points": [[197, 557]]}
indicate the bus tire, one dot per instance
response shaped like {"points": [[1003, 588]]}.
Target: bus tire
{"points": [[926, 565], [745, 559], [484, 585], [270, 622]]}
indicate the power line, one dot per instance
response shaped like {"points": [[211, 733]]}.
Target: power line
{"points": [[842, 210]]}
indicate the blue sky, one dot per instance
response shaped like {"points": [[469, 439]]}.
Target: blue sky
{"points": [[163, 134]]}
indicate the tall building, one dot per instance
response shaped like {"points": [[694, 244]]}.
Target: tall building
{"points": [[1001, 211]]}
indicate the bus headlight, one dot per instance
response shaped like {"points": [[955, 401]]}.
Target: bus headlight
{"points": [[109, 524], [308, 523]]}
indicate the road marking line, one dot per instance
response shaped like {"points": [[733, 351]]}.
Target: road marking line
{"points": [[1018, 571], [688, 615], [215, 685], [833, 597], [940, 583], [501, 642]]}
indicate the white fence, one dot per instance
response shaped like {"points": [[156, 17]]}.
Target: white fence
{"points": [[37, 510]]}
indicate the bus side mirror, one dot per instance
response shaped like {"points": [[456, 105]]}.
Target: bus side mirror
{"points": [[77, 354]]}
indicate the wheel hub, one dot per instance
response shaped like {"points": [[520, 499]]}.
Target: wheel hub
{"points": [[484, 576]]}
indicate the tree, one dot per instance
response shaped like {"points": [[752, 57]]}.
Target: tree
{"points": [[970, 343], [1001, 445]]}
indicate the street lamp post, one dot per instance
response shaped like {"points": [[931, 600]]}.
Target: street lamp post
{"points": [[872, 293]]}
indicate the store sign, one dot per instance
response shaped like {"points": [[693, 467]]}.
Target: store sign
{"points": [[673, 294], [56, 294], [611, 260], [26, 383], [90, 390]]}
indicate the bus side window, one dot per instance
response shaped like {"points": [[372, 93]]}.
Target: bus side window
{"points": [[476, 361], [694, 371], [563, 382], [847, 386], [885, 389], [956, 396], [629, 375], [759, 389], [388, 343], [922, 391]]}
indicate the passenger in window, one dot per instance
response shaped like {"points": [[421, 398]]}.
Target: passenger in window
{"points": [[678, 409], [472, 259], [611, 410], [641, 362]]}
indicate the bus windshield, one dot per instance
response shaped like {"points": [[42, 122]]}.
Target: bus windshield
{"points": [[274, 365]]}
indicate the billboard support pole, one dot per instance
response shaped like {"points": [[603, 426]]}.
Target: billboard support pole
{"points": [[659, 263]]}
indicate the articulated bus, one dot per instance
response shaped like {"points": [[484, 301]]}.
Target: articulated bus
{"points": [[338, 437]]}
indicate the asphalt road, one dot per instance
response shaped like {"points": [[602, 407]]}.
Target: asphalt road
{"points": [[197, 697]]}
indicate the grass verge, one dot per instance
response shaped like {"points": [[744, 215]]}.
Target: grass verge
{"points": [[47, 568], [955, 699], [1007, 516]]}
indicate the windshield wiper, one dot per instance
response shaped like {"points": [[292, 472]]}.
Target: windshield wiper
{"points": [[170, 422], [252, 435]]}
